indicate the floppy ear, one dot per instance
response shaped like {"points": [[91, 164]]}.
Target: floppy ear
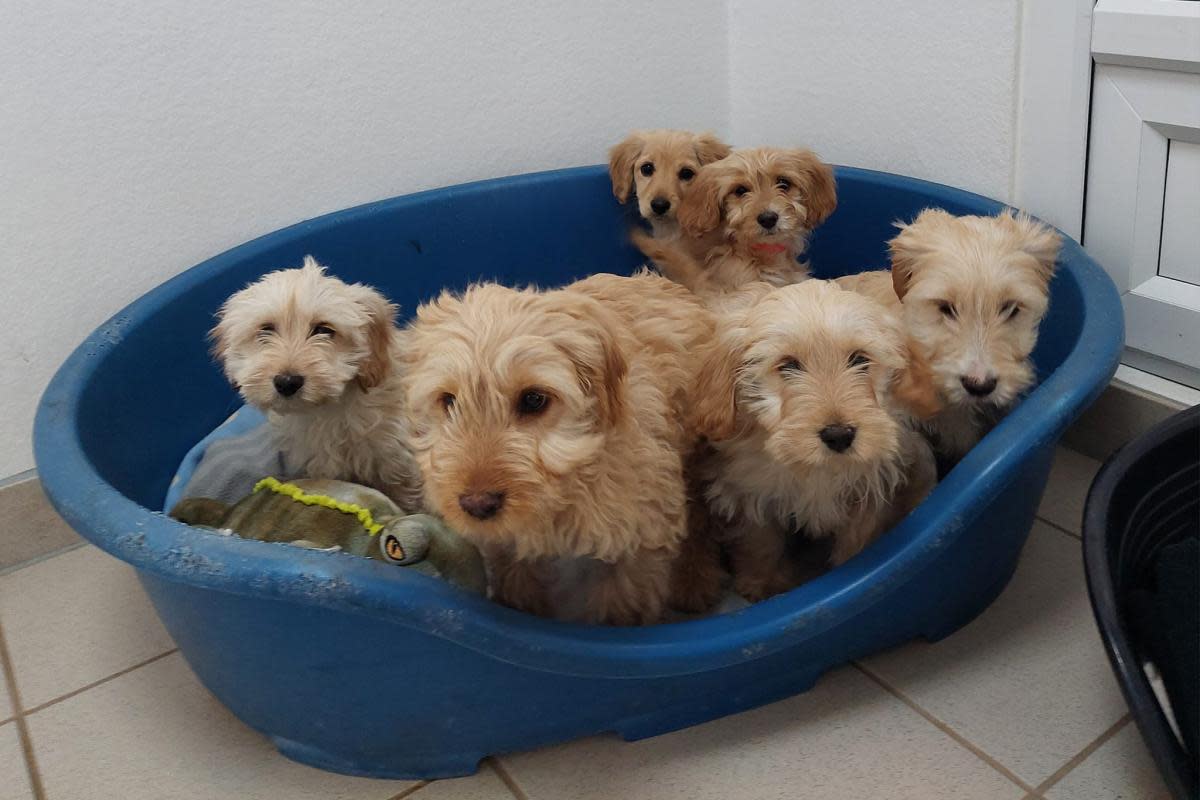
{"points": [[593, 348], [1038, 240], [620, 165], [714, 407], [709, 149], [700, 209], [375, 366], [913, 386], [915, 240], [820, 188]]}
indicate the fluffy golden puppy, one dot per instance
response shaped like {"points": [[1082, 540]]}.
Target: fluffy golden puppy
{"points": [[658, 167], [320, 357], [549, 429], [972, 291], [806, 400], [760, 205]]}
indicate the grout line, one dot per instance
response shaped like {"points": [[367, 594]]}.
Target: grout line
{"points": [[1062, 771], [14, 695], [7, 720], [506, 776], [1076, 536], [944, 728], [11, 568], [410, 791], [100, 682]]}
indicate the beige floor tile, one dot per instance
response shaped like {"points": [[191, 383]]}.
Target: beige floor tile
{"points": [[1070, 478], [31, 527], [6, 709], [845, 738], [156, 732], [74, 619], [484, 785], [1028, 681], [1120, 769], [14, 777]]}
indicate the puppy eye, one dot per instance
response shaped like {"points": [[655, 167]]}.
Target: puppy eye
{"points": [[647, 169], [322, 330], [790, 365], [741, 190], [859, 359], [1009, 310], [446, 400], [532, 402], [783, 183], [686, 174], [948, 310], [268, 328]]}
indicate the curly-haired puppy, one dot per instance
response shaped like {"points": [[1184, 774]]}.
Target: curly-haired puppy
{"points": [[760, 205], [807, 399], [658, 167], [549, 429], [320, 357], [972, 291]]}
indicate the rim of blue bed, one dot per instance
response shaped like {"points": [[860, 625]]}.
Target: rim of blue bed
{"points": [[168, 549]]}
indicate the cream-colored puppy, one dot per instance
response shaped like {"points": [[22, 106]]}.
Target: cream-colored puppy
{"points": [[320, 357], [747, 218], [549, 426], [972, 291], [806, 400], [658, 167]]}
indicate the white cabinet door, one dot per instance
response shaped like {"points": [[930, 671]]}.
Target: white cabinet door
{"points": [[1142, 219]]}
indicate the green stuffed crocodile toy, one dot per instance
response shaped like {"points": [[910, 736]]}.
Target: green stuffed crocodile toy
{"points": [[345, 517]]}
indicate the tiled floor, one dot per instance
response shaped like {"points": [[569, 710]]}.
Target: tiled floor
{"points": [[1020, 704]]}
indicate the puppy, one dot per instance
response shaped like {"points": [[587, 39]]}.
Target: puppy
{"points": [[549, 426], [806, 399], [761, 205], [972, 291], [658, 167], [320, 357]]}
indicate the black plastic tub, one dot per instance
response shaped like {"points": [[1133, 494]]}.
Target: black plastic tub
{"points": [[1146, 498]]}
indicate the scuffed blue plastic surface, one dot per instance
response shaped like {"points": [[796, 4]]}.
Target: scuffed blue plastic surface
{"points": [[359, 667]]}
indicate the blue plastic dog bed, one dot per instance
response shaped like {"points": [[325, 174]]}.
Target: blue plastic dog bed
{"points": [[362, 668]]}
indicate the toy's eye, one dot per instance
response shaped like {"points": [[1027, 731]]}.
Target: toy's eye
{"points": [[268, 328], [686, 174], [322, 329], [647, 169], [532, 402], [948, 310], [783, 183], [859, 359], [741, 190], [447, 401], [790, 364], [1009, 310]]}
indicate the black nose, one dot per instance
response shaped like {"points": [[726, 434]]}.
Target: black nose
{"points": [[979, 388], [287, 385], [660, 205], [768, 219], [481, 505], [837, 437]]}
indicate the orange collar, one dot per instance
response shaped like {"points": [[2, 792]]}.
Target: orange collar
{"points": [[769, 248]]}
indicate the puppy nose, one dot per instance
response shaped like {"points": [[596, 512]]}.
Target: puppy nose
{"points": [[287, 384], [660, 205], [980, 387], [837, 437], [481, 505], [768, 219]]}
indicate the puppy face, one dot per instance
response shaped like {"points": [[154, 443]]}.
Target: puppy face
{"points": [[512, 393], [659, 166], [766, 200], [297, 338], [815, 367], [974, 291]]}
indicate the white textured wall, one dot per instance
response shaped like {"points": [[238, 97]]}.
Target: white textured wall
{"points": [[920, 87], [139, 138]]}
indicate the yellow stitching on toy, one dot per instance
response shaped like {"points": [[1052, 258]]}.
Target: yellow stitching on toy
{"points": [[300, 496]]}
